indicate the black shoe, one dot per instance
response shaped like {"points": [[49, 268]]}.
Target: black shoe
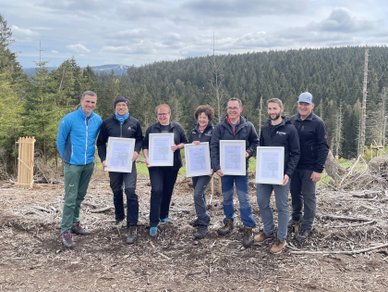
{"points": [[79, 230], [248, 237], [132, 234], [67, 239], [293, 225], [227, 228], [302, 236], [201, 232], [194, 222]]}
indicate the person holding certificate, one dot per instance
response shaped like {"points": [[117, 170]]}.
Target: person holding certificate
{"points": [[162, 178], [123, 125], [202, 132], [235, 127], [278, 131]]}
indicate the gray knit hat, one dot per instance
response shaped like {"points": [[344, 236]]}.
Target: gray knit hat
{"points": [[120, 99]]}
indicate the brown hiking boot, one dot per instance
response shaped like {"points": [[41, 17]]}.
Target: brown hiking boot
{"points": [[132, 234], [278, 247], [79, 230], [261, 237], [247, 238], [227, 228], [67, 239]]}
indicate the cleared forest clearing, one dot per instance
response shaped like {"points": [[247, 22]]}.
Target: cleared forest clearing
{"points": [[346, 252]]}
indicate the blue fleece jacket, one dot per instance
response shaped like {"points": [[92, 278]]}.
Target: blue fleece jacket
{"points": [[76, 137]]}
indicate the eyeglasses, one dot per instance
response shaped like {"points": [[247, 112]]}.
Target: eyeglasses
{"points": [[232, 108], [163, 114]]}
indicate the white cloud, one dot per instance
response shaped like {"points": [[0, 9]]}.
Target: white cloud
{"points": [[78, 48], [136, 32], [23, 34]]}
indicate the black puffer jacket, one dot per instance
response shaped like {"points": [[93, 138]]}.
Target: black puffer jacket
{"points": [[223, 131]]}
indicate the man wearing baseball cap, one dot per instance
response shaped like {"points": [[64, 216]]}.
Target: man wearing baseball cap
{"points": [[314, 149]]}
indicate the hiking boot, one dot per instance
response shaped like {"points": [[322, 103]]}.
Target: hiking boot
{"points": [[302, 236], [201, 232], [278, 246], [153, 232], [132, 234], [79, 230], [261, 237], [227, 228], [194, 222], [67, 239], [247, 238]]}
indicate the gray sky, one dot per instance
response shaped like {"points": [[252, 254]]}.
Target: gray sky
{"points": [[98, 32]]}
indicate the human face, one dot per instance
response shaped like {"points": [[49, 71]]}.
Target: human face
{"points": [[234, 110], [274, 111], [203, 120], [305, 109], [88, 104], [163, 115], [121, 108]]}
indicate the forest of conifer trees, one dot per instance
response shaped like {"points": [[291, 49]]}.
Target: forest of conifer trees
{"points": [[33, 105]]}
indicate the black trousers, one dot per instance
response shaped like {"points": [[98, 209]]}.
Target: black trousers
{"points": [[162, 185], [126, 181]]}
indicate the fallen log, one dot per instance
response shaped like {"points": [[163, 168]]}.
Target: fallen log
{"points": [[348, 252]]}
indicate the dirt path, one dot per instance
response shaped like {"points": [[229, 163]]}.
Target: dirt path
{"points": [[32, 258]]}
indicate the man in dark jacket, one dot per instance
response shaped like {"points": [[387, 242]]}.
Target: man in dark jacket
{"points": [[314, 150], [235, 127], [278, 131], [121, 124]]}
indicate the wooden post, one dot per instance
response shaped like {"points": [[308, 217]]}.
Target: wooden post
{"points": [[26, 161]]}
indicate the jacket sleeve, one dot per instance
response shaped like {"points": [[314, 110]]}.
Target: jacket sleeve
{"points": [[182, 135], [146, 137], [101, 142], [139, 138], [322, 147], [215, 148], [63, 134], [294, 151], [253, 140]]}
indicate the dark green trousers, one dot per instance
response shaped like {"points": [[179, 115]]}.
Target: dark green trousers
{"points": [[77, 179]]}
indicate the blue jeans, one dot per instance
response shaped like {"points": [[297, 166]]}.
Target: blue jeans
{"points": [[199, 184], [118, 181], [263, 192], [241, 182], [77, 179], [303, 195]]}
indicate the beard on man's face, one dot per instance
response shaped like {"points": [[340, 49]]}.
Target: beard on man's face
{"points": [[274, 117]]}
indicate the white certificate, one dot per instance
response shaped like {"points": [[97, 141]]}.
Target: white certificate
{"points": [[270, 165], [159, 149], [232, 157], [197, 159], [119, 154]]}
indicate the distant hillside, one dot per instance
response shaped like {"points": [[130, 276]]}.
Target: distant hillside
{"points": [[102, 69]]}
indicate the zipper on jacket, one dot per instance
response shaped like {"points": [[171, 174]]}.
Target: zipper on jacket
{"points": [[86, 140]]}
